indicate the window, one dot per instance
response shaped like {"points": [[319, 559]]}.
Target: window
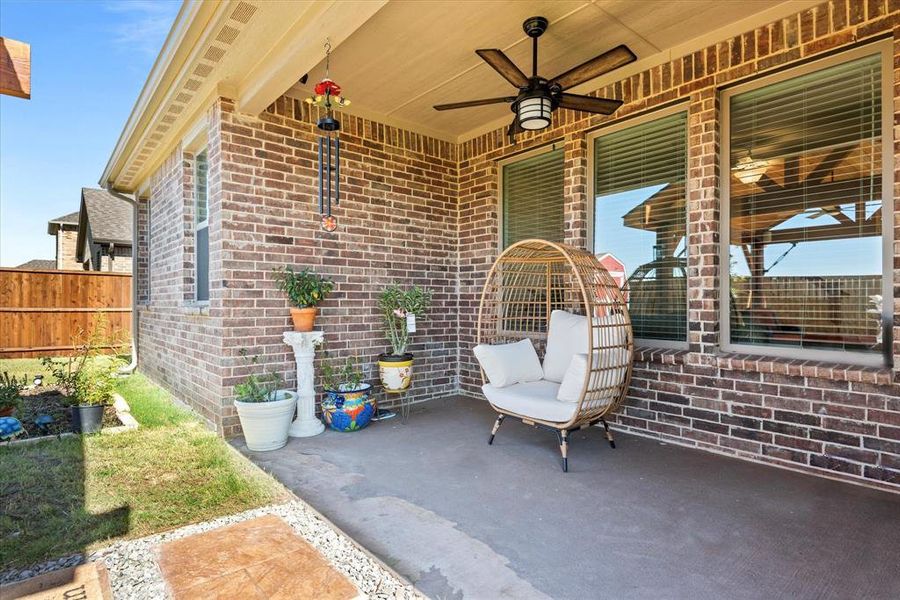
{"points": [[533, 198], [805, 237], [201, 226], [640, 221]]}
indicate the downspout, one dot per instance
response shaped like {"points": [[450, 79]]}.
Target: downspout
{"points": [[134, 284]]}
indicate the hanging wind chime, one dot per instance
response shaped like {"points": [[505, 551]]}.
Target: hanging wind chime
{"points": [[328, 96]]}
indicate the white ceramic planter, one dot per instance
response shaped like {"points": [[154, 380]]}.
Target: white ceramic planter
{"points": [[266, 424]]}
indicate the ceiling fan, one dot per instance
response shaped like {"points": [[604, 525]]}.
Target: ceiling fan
{"points": [[539, 97]]}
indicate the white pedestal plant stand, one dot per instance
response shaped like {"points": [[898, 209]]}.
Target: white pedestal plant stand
{"points": [[304, 344]]}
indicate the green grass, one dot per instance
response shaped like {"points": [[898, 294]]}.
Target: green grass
{"points": [[29, 367], [78, 493]]}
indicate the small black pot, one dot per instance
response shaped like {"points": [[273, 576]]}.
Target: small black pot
{"points": [[87, 418], [385, 357]]}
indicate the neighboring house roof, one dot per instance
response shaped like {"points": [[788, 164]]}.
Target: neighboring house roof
{"points": [[39, 264], [105, 218], [69, 220]]}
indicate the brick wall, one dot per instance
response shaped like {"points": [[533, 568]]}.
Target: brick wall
{"points": [[66, 244], [418, 210], [180, 343], [844, 422], [397, 223]]}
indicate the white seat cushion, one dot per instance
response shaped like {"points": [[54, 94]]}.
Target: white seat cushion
{"points": [[567, 336], [506, 364], [605, 383], [535, 399]]}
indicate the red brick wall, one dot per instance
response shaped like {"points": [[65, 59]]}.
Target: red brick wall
{"points": [[816, 417], [396, 223]]}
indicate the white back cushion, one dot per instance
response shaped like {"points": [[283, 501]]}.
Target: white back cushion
{"points": [[567, 337], [506, 364], [614, 365]]}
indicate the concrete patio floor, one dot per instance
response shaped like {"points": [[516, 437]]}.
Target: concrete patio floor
{"points": [[462, 519]]}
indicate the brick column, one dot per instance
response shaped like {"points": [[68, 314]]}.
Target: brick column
{"points": [[703, 223], [575, 190]]}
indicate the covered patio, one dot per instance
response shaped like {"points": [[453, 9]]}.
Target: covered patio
{"points": [[460, 518]]}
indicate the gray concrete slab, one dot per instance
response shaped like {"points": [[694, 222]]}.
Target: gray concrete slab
{"points": [[462, 519]]}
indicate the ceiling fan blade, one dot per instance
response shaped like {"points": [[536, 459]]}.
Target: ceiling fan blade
{"points": [[597, 66], [601, 106], [501, 63], [469, 103]]}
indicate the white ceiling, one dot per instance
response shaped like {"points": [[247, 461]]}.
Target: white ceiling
{"points": [[411, 55]]}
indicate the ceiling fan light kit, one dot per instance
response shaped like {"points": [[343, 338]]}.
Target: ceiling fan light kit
{"points": [[533, 106]]}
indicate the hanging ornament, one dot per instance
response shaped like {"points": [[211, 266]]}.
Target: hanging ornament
{"points": [[328, 97]]}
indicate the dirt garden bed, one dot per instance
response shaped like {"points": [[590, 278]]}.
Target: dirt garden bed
{"points": [[39, 401]]}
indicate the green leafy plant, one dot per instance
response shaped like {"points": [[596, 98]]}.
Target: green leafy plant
{"points": [[10, 390], [347, 377], [95, 383], [396, 304], [257, 387], [304, 289], [88, 347]]}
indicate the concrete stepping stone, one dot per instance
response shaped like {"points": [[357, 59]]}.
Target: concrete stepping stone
{"points": [[257, 559], [84, 582]]}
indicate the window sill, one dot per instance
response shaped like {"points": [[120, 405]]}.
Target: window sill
{"points": [[196, 308], [768, 364]]}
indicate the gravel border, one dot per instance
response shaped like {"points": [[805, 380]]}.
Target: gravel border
{"points": [[135, 575]]}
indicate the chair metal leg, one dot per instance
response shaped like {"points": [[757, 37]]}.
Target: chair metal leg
{"points": [[563, 437], [609, 435], [494, 430]]}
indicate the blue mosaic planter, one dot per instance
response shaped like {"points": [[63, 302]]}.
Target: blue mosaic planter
{"points": [[348, 411]]}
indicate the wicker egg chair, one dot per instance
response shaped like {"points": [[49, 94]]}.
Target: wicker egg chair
{"points": [[529, 281]]}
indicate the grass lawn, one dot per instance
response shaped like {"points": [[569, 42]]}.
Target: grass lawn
{"points": [[78, 493]]}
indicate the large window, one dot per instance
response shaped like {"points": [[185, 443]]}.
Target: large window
{"points": [[201, 226], [806, 253], [533, 198], [639, 221]]}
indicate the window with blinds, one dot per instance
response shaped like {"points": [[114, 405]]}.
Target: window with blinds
{"points": [[533, 198], [640, 221], [805, 203]]}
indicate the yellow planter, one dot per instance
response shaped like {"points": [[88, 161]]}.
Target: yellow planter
{"points": [[395, 372]]}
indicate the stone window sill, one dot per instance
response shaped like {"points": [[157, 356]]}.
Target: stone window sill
{"points": [[768, 364]]}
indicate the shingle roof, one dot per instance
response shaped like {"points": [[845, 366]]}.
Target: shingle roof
{"points": [[69, 219], [108, 215], [39, 264]]}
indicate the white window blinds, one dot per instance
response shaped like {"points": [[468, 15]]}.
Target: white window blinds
{"points": [[533, 198], [639, 221], [806, 252]]}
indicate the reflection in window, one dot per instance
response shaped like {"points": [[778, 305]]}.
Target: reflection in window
{"points": [[806, 210], [639, 222]]}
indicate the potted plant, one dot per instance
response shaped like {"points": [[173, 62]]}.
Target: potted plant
{"points": [[265, 410], [92, 391], [399, 310], [348, 403], [10, 388], [305, 291]]}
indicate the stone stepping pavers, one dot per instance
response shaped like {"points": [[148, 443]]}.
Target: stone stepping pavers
{"points": [[261, 558]]}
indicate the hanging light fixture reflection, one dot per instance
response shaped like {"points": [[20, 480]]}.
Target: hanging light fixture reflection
{"points": [[748, 170]]}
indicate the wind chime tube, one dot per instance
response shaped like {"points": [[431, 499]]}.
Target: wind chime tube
{"points": [[321, 182], [329, 176], [337, 170]]}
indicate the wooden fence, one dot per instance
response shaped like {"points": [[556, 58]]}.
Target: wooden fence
{"points": [[42, 311]]}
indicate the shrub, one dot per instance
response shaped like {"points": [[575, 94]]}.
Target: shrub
{"points": [[304, 289], [10, 390]]}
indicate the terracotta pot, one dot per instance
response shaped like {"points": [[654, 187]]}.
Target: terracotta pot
{"points": [[304, 318]]}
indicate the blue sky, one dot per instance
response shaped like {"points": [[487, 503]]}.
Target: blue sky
{"points": [[89, 62]]}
